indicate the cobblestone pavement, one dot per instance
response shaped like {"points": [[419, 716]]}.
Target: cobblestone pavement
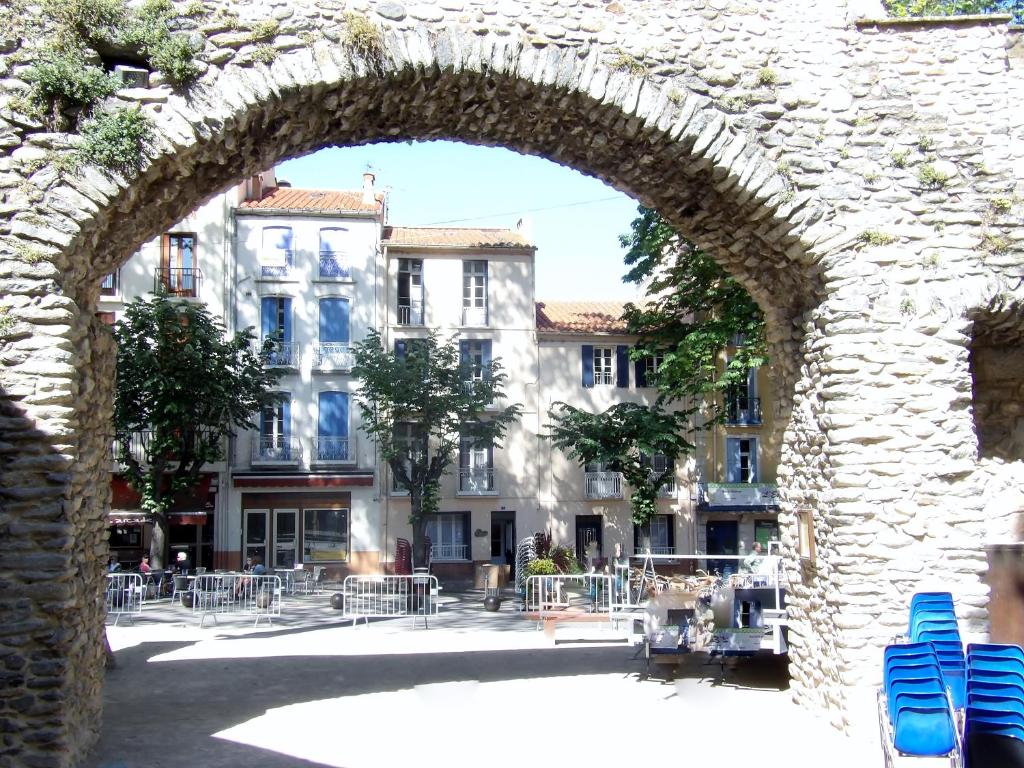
{"points": [[474, 689]]}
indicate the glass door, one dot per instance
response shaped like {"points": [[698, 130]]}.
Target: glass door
{"points": [[286, 538], [256, 533]]}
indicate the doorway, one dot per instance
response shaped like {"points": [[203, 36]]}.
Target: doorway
{"points": [[286, 538], [722, 539], [588, 534]]}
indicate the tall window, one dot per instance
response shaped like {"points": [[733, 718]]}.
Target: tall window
{"points": [[646, 370], [410, 439], [179, 275], [275, 428], [332, 350], [660, 464], [475, 358], [743, 406], [333, 255], [332, 427], [111, 284], [276, 325], [410, 292], [476, 466], [324, 535], [741, 459], [276, 255], [603, 370], [474, 293], [449, 536]]}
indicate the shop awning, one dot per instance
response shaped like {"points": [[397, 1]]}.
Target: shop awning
{"points": [[189, 517], [128, 517], [284, 480]]}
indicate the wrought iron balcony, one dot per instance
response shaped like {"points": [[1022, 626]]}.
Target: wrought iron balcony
{"points": [[711, 495], [282, 266], [410, 315], [281, 451], [334, 450], [333, 265], [174, 281], [280, 354], [332, 356], [668, 490], [474, 316], [444, 553], [603, 485], [478, 481], [743, 410]]}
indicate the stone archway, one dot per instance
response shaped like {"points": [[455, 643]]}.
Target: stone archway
{"points": [[782, 181]]}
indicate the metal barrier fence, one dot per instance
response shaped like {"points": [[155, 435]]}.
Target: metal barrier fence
{"points": [[236, 594], [367, 597], [124, 595], [568, 594]]}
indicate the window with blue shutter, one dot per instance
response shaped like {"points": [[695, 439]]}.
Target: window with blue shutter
{"points": [[640, 372], [475, 359], [334, 321], [400, 348], [741, 460], [588, 365], [622, 366], [332, 427]]}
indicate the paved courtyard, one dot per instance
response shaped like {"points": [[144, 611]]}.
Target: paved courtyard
{"points": [[475, 689]]}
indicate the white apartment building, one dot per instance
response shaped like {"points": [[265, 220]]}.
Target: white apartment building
{"points": [[312, 272]]}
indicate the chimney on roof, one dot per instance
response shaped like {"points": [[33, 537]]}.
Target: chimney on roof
{"points": [[525, 228], [368, 197]]}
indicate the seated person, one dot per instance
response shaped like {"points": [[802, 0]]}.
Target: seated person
{"points": [[144, 565], [181, 565]]}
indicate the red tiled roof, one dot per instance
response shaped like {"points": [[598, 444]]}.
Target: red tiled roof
{"points": [[580, 317], [455, 237], [287, 198]]}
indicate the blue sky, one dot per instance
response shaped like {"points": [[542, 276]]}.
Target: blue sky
{"points": [[576, 220]]}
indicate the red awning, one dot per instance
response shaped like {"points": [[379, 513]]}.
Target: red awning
{"points": [[302, 481], [197, 517]]}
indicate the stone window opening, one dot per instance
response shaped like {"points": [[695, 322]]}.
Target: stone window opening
{"points": [[997, 386]]}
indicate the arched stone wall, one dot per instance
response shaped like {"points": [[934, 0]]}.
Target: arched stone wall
{"points": [[809, 189]]}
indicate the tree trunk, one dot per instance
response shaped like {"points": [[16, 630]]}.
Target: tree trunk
{"points": [[158, 543], [419, 530]]}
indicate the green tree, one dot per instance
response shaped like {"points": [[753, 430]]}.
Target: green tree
{"points": [[624, 438], [418, 403], [944, 7], [693, 312], [182, 388]]}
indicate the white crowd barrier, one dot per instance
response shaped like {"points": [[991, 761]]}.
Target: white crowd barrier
{"points": [[236, 594], [570, 593], [367, 597], [124, 595]]}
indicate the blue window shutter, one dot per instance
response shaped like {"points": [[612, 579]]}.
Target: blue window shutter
{"points": [[671, 523], [753, 461], [622, 366], [287, 312], [588, 365], [640, 371], [286, 413], [333, 417], [334, 320], [486, 348], [400, 348], [732, 460], [464, 353], [268, 317]]}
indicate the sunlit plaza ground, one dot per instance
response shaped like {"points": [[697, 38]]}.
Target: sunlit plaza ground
{"points": [[475, 689]]}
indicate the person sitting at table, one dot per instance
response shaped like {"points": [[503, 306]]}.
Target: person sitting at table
{"points": [[258, 569], [113, 566], [247, 565], [182, 566], [144, 565]]}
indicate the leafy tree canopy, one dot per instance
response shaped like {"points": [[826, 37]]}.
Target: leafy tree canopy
{"points": [[624, 438], [181, 389], [945, 7], [418, 402], [694, 311]]}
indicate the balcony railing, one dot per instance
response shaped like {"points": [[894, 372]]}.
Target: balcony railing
{"points": [[474, 316], [174, 281], [410, 315], [276, 450], [442, 553], [110, 285], [332, 356], [333, 265], [658, 550], [743, 410], [477, 482], [139, 446], [711, 495], [334, 450], [603, 485], [668, 490], [280, 354], [279, 270]]}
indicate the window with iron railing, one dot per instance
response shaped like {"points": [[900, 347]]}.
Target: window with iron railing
{"points": [[277, 255], [410, 292], [178, 274], [657, 536], [474, 293], [604, 373], [111, 284], [333, 255]]}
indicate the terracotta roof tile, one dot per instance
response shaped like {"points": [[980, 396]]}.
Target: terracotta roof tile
{"points": [[327, 200], [455, 237], [580, 317]]}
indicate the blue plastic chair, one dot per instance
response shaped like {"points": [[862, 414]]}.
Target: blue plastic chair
{"points": [[984, 688], [907, 649], [915, 671], [897, 690], [993, 746], [990, 650], [996, 663], [994, 704], [924, 729], [930, 597]]}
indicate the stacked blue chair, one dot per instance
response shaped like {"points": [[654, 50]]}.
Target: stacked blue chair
{"points": [[933, 620], [994, 717], [914, 708]]}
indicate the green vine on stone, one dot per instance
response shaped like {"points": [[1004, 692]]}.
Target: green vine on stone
{"points": [[63, 87], [931, 177], [117, 140], [877, 237], [625, 62], [364, 39]]}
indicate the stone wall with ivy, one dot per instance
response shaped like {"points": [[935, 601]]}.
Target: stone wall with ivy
{"points": [[859, 176]]}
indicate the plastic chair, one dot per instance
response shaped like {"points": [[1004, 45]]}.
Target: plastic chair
{"points": [[995, 676], [922, 686], [1008, 690], [930, 597], [924, 728], [989, 746], [990, 650], [995, 704], [996, 663]]}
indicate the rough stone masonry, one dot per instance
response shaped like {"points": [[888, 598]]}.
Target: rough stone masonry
{"points": [[860, 176]]}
